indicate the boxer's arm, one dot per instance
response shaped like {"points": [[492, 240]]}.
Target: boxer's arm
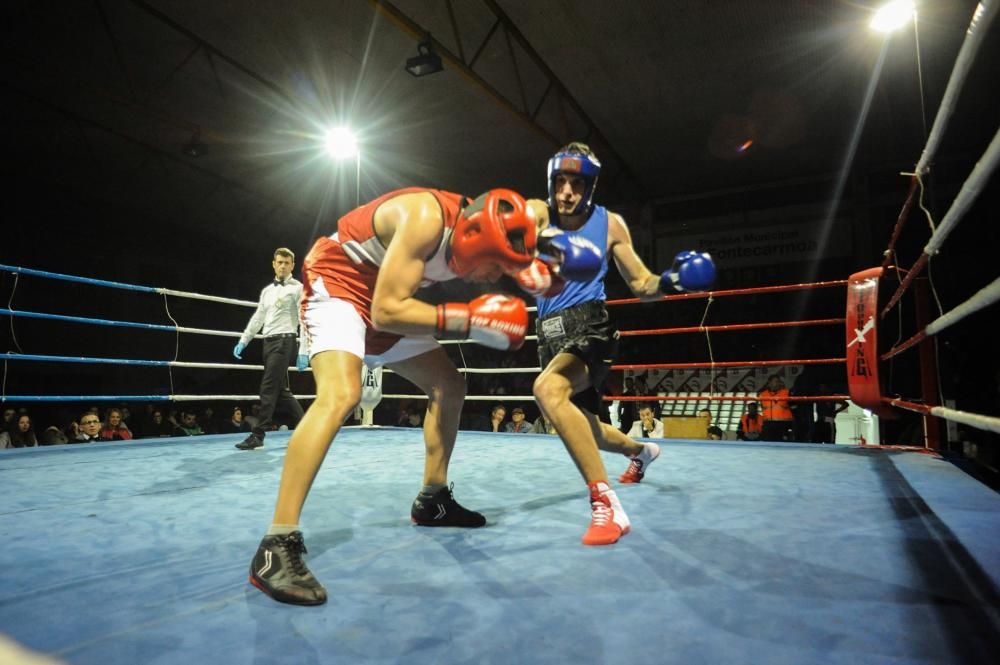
{"points": [[643, 283], [418, 228]]}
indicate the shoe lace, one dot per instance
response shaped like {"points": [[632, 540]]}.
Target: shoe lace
{"points": [[602, 513], [295, 547], [635, 468]]}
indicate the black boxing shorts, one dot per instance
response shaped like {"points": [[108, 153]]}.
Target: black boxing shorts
{"points": [[585, 331]]}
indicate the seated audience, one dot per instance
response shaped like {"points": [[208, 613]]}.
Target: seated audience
{"points": [[115, 429], [236, 423], [189, 425], [751, 424], [497, 414], [647, 425], [87, 429], [518, 424]]}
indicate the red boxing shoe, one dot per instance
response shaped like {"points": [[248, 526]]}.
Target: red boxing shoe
{"points": [[608, 521], [637, 468]]}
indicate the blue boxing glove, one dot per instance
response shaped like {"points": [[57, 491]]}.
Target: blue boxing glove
{"points": [[301, 362], [691, 271], [238, 350], [575, 258]]}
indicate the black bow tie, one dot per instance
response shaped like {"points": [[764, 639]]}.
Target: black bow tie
{"points": [[278, 283]]}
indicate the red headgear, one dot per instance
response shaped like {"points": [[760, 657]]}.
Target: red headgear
{"points": [[497, 226]]}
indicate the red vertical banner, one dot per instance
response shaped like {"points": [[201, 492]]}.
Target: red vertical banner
{"points": [[862, 342]]}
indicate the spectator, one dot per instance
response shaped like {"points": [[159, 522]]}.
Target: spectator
{"points": [[52, 436], [8, 419], [21, 435], [88, 430], [497, 415], [236, 423], [750, 425], [775, 410], [189, 425], [713, 432], [115, 429], [543, 426], [647, 426], [626, 408], [517, 424], [277, 317], [158, 425], [253, 418], [825, 430], [207, 421]]}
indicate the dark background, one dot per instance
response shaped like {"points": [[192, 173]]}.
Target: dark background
{"points": [[101, 97]]}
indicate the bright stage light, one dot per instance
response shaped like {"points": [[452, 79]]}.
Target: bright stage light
{"points": [[341, 143], [893, 15]]}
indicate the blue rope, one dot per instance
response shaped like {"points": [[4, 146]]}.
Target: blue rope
{"points": [[83, 280], [81, 319]]}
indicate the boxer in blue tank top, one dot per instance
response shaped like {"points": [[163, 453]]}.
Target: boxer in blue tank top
{"points": [[577, 341]]}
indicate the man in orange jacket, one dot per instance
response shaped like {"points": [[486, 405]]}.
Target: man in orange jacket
{"points": [[778, 418]]}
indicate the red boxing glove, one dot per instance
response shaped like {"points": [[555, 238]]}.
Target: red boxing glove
{"points": [[493, 320], [539, 280]]}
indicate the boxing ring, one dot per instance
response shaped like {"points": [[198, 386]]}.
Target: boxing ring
{"points": [[740, 552]]}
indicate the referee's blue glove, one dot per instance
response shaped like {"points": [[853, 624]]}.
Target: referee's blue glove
{"points": [[302, 362], [238, 350]]}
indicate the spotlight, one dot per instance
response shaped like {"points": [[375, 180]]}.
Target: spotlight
{"points": [[195, 147], [341, 143], [892, 15], [425, 62]]}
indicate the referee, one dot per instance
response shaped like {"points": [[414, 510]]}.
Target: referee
{"points": [[277, 316]]}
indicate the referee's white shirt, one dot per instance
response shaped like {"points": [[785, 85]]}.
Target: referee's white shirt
{"points": [[277, 313]]}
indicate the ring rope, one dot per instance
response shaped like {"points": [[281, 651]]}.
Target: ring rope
{"points": [[976, 420], [127, 361], [734, 292], [966, 197], [120, 324], [123, 285], [732, 327], [981, 19], [983, 298]]}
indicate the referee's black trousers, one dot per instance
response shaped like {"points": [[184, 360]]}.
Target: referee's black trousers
{"points": [[279, 354]]}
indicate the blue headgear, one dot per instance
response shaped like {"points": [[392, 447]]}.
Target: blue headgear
{"points": [[575, 163]]}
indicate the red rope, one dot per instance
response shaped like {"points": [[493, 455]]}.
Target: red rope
{"points": [[722, 398], [738, 326], [909, 406], [910, 276], [738, 363], [904, 214], [896, 350], [736, 292]]}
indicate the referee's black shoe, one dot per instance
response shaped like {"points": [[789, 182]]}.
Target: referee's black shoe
{"points": [[441, 509], [253, 441], [279, 571]]}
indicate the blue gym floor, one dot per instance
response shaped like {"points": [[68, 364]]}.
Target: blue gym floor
{"points": [[137, 553]]}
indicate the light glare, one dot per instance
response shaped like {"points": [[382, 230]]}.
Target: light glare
{"points": [[893, 16], [341, 143]]}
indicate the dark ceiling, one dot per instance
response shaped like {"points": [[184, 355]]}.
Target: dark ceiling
{"points": [[102, 95]]}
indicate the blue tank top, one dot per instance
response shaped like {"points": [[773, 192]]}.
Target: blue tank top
{"points": [[595, 229]]}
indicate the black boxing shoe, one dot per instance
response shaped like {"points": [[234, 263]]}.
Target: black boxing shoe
{"points": [[279, 571], [441, 509], [251, 442]]}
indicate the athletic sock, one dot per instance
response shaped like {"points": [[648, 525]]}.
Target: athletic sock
{"points": [[282, 529]]}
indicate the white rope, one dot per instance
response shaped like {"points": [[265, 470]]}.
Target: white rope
{"points": [[966, 197], [527, 338], [474, 398], [985, 297], [977, 420], [254, 398], [981, 19], [201, 296], [178, 363]]}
